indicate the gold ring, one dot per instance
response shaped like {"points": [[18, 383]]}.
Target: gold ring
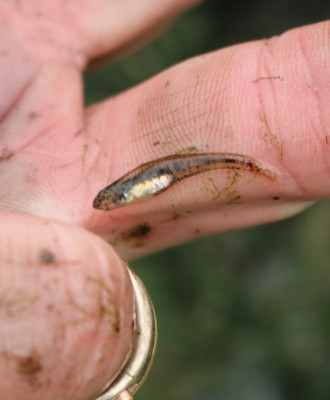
{"points": [[131, 377]]}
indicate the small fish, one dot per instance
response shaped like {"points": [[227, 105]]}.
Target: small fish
{"points": [[153, 177]]}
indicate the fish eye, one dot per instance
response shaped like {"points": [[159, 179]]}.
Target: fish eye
{"points": [[163, 171]]}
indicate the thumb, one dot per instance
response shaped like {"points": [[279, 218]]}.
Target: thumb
{"points": [[66, 310]]}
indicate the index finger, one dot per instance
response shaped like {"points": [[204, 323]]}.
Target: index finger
{"points": [[267, 100]]}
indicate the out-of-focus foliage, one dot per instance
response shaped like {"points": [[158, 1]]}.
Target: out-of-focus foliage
{"points": [[244, 315]]}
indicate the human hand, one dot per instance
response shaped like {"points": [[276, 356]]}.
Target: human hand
{"points": [[46, 136]]}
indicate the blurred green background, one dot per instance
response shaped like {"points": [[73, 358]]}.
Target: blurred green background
{"points": [[246, 314]]}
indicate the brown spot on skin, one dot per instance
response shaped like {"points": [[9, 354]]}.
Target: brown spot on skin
{"points": [[47, 257], [174, 217], [197, 231], [79, 132], [167, 84], [29, 367], [6, 157], [33, 115], [137, 232], [326, 140], [276, 198]]}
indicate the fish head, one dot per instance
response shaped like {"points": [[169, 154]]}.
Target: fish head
{"points": [[110, 198]]}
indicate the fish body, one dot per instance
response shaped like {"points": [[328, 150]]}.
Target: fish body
{"points": [[153, 177]]}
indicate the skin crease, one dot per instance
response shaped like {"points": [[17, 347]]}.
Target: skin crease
{"points": [[266, 99]]}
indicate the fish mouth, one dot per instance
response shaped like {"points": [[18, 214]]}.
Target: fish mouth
{"points": [[97, 203], [100, 202], [104, 201]]}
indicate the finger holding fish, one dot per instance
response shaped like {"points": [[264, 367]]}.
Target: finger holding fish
{"points": [[214, 103], [205, 194]]}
